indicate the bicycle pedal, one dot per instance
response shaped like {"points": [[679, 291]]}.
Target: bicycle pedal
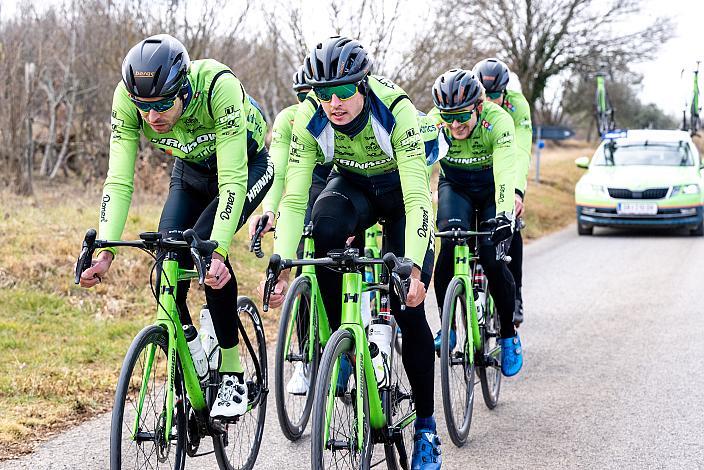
{"points": [[490, 361]]}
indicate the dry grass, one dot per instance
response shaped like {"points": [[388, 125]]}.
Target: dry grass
{"points": [[550, 204], [61, 346]]}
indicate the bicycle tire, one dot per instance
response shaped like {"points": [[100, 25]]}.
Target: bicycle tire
{"points": [[340, 343], [251, 336], [393, 397], [153, 409], [457, 424], [292, 427], [490, 375]]}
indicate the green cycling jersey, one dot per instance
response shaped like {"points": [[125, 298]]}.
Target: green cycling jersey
{"points": [[278, 152], [489, 145], [385, 153], [518, 108], [219, 119]]}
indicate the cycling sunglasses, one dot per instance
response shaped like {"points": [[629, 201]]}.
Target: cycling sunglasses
{"points": [[461, 117], [160, 106], [495, 95], [301, 96], [343, 92]]}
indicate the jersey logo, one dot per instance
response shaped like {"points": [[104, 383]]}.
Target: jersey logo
{"points": [[487, 125], [509, 106], [231, 118], [506, 138]]}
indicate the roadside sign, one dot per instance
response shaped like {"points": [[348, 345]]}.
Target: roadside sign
{"points": [[553, 132]]}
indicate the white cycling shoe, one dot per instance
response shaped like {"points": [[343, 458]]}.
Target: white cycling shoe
{"points": [[231, 400], [298, 383]]}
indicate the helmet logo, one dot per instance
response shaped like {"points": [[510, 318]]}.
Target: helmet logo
{"points": [[143, 74], [489, 77]]}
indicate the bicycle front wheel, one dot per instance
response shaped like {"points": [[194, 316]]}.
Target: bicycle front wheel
{"points": [[138, 429], [336, 441], [456, 368], [296, 365], [400, 411], [237, 445]]}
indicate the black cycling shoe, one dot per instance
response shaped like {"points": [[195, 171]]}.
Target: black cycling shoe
{"points": [[518, 313]]}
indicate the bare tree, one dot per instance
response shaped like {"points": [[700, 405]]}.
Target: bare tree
{"points": [[540, 39]]}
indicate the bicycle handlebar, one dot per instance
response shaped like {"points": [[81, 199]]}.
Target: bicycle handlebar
{"points": [[348, 260], [201, 250]]}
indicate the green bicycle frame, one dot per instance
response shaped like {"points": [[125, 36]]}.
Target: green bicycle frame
{"points": [[352, 287], [463, 260], [167, 317]]}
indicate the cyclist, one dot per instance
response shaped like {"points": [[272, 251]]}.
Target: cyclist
{"points": [[367, 126], [495, 76], [279, 150], [476, 138], [199, 113]]}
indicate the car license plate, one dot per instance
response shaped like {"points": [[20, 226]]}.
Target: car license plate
{"points": [[636, 208]]}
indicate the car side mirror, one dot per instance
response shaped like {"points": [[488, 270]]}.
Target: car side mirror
{"points": [[582, 162]]}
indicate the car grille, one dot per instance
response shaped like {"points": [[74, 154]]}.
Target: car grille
{"points": [[653, 193]]}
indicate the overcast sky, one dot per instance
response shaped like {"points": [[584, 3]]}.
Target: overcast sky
{"points": [[663, 83]]}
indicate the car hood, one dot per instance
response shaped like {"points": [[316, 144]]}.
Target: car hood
{"points": [[637, 177]]}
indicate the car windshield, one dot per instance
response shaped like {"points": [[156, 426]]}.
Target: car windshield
{"points": [[644, 153]]}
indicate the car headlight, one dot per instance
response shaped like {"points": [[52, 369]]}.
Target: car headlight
{"points": [[685, 189], [592, 189]]}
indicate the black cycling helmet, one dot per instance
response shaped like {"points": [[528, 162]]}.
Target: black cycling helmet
{"points": [[337, 61], [456, 89], [156, 67], [299, 80], [493, 74]]}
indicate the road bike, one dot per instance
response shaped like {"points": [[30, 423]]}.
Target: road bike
{"points": [[349, 421], [162, 407], [468, 310], [604, 112]]}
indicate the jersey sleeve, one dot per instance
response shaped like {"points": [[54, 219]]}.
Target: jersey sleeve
{"points": [[299, 176], [229, 114], [502, 141], [278, 151], [524, 144], [119, 184], [410, 157]]}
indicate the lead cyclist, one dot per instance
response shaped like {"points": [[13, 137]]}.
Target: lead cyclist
{"points": [[199, 113], [367, 126]]}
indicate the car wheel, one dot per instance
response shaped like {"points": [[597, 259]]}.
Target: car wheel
{"points": [[698, 231], [584, 229]]}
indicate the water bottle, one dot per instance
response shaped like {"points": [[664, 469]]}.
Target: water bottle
{"points": [[208, 338], [480, 298], [197, 354], [380, 340], [367, 300]]}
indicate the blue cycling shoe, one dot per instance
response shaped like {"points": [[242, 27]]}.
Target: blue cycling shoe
{"points": [[343, 375], [426, 446], [438, 340], [511, 355]]}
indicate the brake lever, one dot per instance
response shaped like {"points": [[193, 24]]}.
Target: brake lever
{"points": [[201, 262], [86, 257], [401, 287], [272, 274], [255, 245]]}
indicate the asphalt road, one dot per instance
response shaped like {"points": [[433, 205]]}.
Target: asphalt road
{"points": [[613, 375]]}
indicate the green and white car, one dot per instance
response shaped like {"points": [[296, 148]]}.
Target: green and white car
{"points": [[642, 178]]}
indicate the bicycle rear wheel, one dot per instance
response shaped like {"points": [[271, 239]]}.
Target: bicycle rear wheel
{"points": [[456, 369], [293, 409], [341, 449], [399, 408], [146, 363], [490, 372], [237, 445]]}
